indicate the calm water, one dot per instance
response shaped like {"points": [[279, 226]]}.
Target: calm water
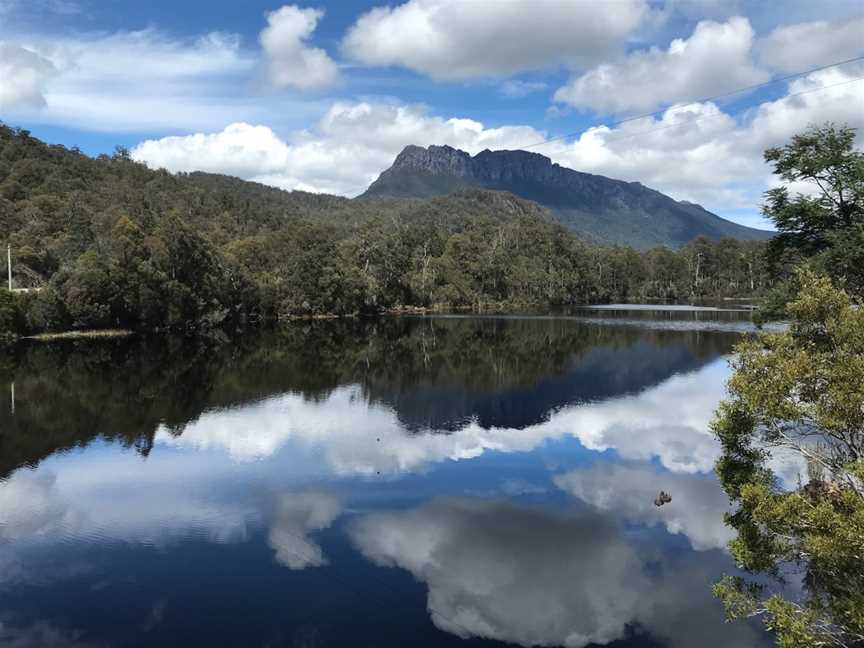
{"points": [[427, 482]]}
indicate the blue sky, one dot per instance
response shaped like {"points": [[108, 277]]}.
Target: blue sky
{"points": [[321, 96]]}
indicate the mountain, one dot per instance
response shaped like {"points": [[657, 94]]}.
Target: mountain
{"points": [[593, 206], [56, 203], [109, 242]]}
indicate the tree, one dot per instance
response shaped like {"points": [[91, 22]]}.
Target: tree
{"points": [[11, 320], [824, 158], [800, 392]]}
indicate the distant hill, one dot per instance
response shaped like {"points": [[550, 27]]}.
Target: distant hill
{"points": [[593, 206], [268, 205]]}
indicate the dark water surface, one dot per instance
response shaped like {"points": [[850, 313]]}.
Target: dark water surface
{"points": [[449, 481]]}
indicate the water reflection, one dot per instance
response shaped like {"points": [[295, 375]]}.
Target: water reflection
{"points": [[250, 494], [533, 577], [668, 422], [434, 374], [627, 491], [297, 515], [503, 571]]}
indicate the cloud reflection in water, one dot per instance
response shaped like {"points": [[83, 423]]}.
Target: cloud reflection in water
{"points": [[668, 422], [530, 576]]}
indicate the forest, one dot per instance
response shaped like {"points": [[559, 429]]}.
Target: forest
{"points": [[106, 242]]}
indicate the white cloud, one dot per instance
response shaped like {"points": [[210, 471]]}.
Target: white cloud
{"points": [[141, 80], [628, 491], [504, 572], [699, 153], [290, 62], [794, 48], [454, 40], [716, 58], [354, 142], [152, 506], [537, 578], [241, 149], [516, 89], [31, 506], [23, 75], [640, 427], [694, 152], [842, 102], [298, 515]]}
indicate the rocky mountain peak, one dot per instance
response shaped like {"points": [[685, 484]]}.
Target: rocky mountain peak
{"points": [[600, 208], [434, 159], [499, 165]]}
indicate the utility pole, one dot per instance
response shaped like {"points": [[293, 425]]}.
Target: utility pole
{"points": [[9, 260]]}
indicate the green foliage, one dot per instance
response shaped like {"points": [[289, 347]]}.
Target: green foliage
{"points": [[800, 392], [11, 317], [772, 307], [110, 243], [827, 225]]}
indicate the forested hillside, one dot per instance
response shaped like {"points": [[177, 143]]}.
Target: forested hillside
{"points": [[110, 242]]}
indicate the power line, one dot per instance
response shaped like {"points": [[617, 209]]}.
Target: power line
{"points": [[701, 119], [703, 100]]}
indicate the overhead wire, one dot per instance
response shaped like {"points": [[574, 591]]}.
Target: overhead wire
{"points": [[723, 95], [718, 115]]}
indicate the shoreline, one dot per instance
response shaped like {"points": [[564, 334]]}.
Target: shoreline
{"points": [[436, 309], [80, 335]]}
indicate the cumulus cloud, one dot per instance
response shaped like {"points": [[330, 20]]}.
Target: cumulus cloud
{"points": [[353, 143], [98, 81], [23, 75], [504, 572], [640, 427], [716, 58], [298, 515], [31, 506], [290, 62], [154, 506], [694, 152], [536, 578], [628, 491], [794, 48], [452, 40], [842, 102], [240, 149], [699, 153]]}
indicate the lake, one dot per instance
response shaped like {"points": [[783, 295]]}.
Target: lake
{"points": [[432, 481]]}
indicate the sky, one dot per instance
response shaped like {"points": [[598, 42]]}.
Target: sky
{"points": [[322, 96]]}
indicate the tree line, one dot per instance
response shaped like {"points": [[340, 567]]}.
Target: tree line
{"points": [[111, 243]]}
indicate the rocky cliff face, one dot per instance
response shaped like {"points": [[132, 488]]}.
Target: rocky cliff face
{"points": [[486, 165], [596, 207], [435, 159]]}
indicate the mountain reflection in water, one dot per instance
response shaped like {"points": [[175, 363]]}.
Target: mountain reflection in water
{"points": [[422, 480]]}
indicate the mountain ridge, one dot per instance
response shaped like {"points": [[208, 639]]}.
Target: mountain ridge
{"points": [[596, 207]]}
